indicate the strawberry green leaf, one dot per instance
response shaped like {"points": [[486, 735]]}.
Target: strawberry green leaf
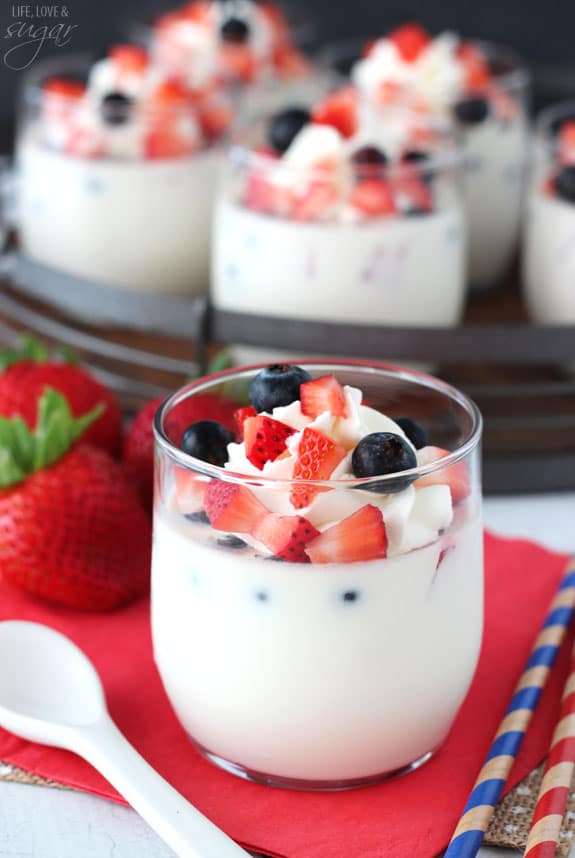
{"points": [[32, 349], [10, 472]]}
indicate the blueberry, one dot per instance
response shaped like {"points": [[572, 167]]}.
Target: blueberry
{"points": [[383, 453], [565, 183], [369, 156], [414, 431], [350, 596], [208, 441], [472, 111], [198, 517], [415, 156], [415, 211], [277, 385], [116, 108], [231, 541], [235, 31], [285, 126], [262, 596]]}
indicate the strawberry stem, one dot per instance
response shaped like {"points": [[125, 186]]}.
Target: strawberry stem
{"points": [[31, 349], [23, 451]]}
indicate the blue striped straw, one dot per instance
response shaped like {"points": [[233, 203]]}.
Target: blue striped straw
{"points": [[476, 816]]}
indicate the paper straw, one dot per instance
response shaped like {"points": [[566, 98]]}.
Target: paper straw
{"points": [[476, 816], [552, 800]]}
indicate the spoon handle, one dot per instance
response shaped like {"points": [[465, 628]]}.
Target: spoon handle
{"points": [[176, 821]]}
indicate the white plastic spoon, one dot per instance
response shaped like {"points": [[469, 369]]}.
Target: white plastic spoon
{"points": [[50, 693]]}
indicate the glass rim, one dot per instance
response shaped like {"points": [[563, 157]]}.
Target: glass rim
{"points": [[517, 77], [373, 367], [546, 117]]}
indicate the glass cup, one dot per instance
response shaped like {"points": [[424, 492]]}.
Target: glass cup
{"points": [[103, 205], [290, 242], [495, 145], [321, 675], [548, 258]]}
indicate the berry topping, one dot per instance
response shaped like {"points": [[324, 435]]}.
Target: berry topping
{"points": [[410, 40], [317, 458], [369, 156], [265, 439], [373, 197], [207, 440], [286, 536], [322, 394], [235, 30], [276, 385], [116, 108], [339, 110], [477, 72], [130, 58], [64, 87], [414, 431], [455, 476], [360, 536], [232, 507], [384, 453], [285, 127], [471, 111], [565, 183], [241, 415]]}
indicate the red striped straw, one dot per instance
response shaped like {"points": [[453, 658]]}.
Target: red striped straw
{"points": [[552, 800]]}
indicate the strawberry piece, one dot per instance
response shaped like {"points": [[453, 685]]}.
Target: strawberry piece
{"points": [[232, 507], [286, 536], [373, 197], [410, 192], [169, 93], [263, 195], [338, 110], [131, 59], [190, 491], [317, 458], [410, 40], [322, 394], [214, 119], [241, 415], [455, 476], [238, 62], [265, 439], [477, 71], [289, 62], [360, 536], [317, 200], [165, 142], [198, 11], [567, 142], [63, 87], [83, 143]]}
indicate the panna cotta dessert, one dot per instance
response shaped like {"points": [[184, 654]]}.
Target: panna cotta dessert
{"points": [[117, 173], [549, 235], [482, 88], [346, 659], [340, 214]]}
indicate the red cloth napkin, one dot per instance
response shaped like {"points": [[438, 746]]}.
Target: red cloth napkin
{"points": [[412, 816]]}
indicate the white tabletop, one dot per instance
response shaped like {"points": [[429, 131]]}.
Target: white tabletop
{"points": [[37, 822]]}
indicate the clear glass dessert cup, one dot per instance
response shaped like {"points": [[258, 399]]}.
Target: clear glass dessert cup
{"points": [[288, 242], [321, 675], [495, 145], [548, 257], [118, 217]]}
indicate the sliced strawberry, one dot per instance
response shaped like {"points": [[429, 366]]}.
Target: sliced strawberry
{"points": [[410, 192], [265, 439], [130, 58], [322, 394], [455, 476], [214, 119], [190, 491], [265, 196], [238, 62], [477, 72], [83, 143], [232, 507], [63, 87], [360, 536], [339, 109], [316, 202], [410, 40], [286, 536], [289, 62], [317, 458], [198, 11], [373, 197], [567, 142], [241, 415], [389, 92], [169, 93]]}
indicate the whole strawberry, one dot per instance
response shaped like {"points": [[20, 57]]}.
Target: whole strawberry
{"points": [[138, 453], [24, 375], [73, 529]]}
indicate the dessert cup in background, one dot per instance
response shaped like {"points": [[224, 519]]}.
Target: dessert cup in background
{"points": [[341, 215], [346, 661], [483, 89], [117, 168], [548, 256]]}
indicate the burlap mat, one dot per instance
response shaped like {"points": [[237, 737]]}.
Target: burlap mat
{"points": [[509, 826]]}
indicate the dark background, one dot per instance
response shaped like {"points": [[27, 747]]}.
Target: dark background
{"points": [[544, 32]]}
